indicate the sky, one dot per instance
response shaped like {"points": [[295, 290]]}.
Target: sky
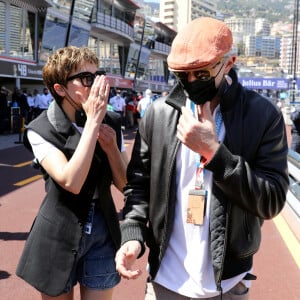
{"points": [[156, 1]]}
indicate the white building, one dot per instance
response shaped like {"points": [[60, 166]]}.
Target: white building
{"points": [[250, 45], [147, 10], [262, 27], [240, 28], [286, 54], [177, 13]]}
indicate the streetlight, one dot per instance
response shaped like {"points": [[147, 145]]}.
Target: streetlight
{"points": [[294, 48], [143, 24]]}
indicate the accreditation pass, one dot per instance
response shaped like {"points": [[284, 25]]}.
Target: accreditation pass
{"points": [[196, 206]]}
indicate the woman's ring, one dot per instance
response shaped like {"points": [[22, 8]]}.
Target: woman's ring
{"points": [[101, 95]]}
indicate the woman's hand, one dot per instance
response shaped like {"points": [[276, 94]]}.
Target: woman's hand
{"points": [[118, 161], [107, 138], [96, 103]]}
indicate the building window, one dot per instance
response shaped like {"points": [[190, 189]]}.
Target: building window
{"points": [[2, 27], [63, 6], [54, 37], [83, 10], [22, 33], [93, 45]]}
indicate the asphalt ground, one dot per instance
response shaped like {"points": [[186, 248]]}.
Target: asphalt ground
{"points": [[277, 264]]}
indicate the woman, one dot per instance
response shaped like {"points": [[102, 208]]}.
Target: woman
{"points": [[79, 148]]}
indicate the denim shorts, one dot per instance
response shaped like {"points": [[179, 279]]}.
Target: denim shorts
{"points": [[95, 263]]}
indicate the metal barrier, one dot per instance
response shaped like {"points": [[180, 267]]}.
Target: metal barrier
{"points": [[292, 207], [17, 123], [16, 120]]}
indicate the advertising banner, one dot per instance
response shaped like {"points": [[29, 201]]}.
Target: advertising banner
{"points": [[260, 83], [20, 70]]}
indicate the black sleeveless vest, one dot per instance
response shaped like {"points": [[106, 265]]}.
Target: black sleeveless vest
{"points": [[55, 235]]}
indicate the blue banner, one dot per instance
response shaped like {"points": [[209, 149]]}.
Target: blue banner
{"points": [[261, 83]]}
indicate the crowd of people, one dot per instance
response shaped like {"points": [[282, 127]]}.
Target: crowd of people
{"points": [[131, 105], [124, 102], [30, 104]]}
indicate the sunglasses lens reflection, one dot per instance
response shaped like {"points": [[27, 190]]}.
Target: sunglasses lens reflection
{"points": [[87, 78], [203, 75]]}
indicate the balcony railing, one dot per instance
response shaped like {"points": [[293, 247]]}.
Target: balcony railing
{"points": [[161, 47], [117, 25]]}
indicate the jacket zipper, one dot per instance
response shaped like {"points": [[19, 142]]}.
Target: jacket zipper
{"points": [[247, 227], [163, 246], [219, 285]]}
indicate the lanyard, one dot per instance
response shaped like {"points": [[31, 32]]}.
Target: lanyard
{"points": [[200, 161]]}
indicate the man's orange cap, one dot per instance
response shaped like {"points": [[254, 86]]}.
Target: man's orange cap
{"points": [[200, 43]]}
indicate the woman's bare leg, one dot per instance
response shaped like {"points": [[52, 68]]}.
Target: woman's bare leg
{"points": [[87, 294], [67, 296]]}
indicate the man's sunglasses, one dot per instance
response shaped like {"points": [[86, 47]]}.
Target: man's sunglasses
{"points": [[86, 78], [203, 74]]}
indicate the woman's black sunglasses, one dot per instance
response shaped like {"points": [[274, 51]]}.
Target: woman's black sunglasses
{"points": [[86, 78]]}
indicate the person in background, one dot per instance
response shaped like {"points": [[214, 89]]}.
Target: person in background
{"points": [[4, 110], [131, 110], [36, 98], [119, 105], [15, 97], [144, 103], [208, 166], [43, 101], [21, 98], [295, 130], [31, 104], [3, 100], [139, 96], [80, 150]]}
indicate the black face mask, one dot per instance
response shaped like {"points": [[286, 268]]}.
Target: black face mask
{"points": [[80, 118], [200, 91]]}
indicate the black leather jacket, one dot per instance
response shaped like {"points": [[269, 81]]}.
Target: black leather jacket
{"points": [[250, 178]]}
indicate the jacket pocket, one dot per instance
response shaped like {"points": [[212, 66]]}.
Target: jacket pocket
{"points": [[244, 235]]}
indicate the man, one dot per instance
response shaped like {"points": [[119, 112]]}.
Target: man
{"points": [[4, 110], [118, 103], [131, 111], [3, 99], [44, 101], [209, 164], [36, 99], [24, 107], [30, 101], [145, 102]]}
